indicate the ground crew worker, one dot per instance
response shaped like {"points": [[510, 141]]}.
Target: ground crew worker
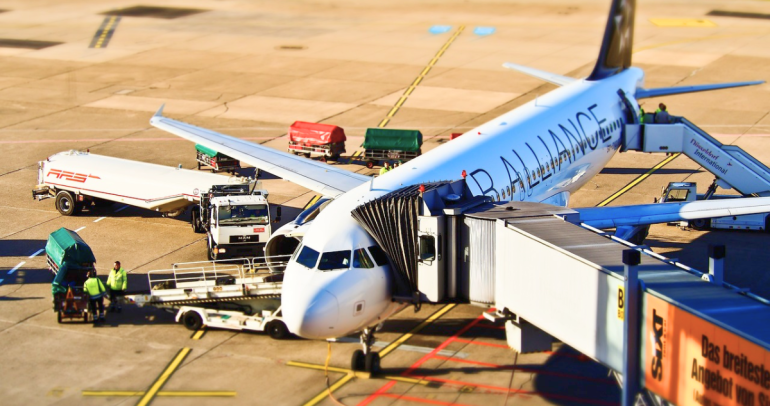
{"points": [[661, 115], [385, 168], [641, 114], [95, 290], [117, 282]]}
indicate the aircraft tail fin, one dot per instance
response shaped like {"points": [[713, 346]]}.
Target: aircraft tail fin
{"points": [[617, 46]]}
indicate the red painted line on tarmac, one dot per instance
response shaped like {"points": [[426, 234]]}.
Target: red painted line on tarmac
{"points": [[421, 400], [530, 370], [460, 340], [492, 327]]}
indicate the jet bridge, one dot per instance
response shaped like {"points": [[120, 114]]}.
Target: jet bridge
{"points": [[732, 166], [551, 277]]}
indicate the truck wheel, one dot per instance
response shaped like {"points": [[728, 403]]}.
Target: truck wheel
{"points": [[66, 204], [700, 224], [277, 330], [192, 320], [370, 164]]}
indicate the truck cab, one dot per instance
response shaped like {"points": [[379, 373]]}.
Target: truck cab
{"points": [[237, 221]]}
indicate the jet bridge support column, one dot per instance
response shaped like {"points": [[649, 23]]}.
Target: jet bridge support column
{"points": [[717, 263], [631, 307]]}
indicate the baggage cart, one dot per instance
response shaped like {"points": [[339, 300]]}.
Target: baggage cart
{"points": [[385, 144], [70, 259], [216, 161], [315, 139]]}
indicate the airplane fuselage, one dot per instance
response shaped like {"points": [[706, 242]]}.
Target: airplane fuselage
{"points": [[542, 151]]}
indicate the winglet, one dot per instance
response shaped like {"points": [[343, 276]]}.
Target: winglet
{"points": [[159, 113], [554, 78]]}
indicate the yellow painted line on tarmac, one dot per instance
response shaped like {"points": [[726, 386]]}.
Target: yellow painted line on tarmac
{"points": [[419, 78], [198, 334], [682, 22], [349, 376], [169, 394], [155, 388], [637, 180], [312, 201], [104, 33]]}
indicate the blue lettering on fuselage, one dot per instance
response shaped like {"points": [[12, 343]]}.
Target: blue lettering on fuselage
{"points": [[586, 131]]}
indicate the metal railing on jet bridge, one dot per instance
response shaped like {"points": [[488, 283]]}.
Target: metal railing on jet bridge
{"points": [[734, 166]]}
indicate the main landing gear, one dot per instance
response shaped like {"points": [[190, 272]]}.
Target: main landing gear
{"points": [[366, 359]]}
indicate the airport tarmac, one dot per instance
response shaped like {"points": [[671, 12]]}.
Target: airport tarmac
{"points": [[74, 75]]}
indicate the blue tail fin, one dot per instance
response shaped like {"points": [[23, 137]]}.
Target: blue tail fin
{"points": [[615, 55]]}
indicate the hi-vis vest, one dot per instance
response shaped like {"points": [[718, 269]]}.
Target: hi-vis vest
{"points": [[117, 279], [94, 288]]}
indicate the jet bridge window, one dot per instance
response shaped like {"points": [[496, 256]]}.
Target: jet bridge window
{"points": [[307, 257], [334, 260], [361, 259], [247, 214]]}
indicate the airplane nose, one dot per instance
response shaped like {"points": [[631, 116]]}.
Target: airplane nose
{"points": [[317, 318]]}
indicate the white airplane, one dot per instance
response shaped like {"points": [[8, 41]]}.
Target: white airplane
{"points": [[339, 281]]}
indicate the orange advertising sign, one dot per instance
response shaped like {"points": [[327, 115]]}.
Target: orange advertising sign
{"points": [[690, 361]]}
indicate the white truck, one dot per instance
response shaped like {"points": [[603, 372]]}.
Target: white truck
{"points": [[220, 294], [687, 192], [233, 211]]}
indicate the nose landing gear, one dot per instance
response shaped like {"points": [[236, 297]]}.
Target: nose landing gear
{"points": [[366, 359]]}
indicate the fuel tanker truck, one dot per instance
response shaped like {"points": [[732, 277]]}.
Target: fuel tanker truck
{"points": [[232, 211]]}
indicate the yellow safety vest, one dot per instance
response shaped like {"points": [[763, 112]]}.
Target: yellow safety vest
{"points": [[117, 279], [94, 288]]}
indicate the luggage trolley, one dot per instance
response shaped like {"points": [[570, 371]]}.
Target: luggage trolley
{"points": [[324, 140], [385, 144], [215, 160], [70, 259]]}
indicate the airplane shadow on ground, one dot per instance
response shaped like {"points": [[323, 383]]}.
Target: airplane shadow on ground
{"points": [[20, 248], [746, 254]]}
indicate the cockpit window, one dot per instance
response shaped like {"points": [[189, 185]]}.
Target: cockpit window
{"points": [[307, 257], [361, 259], [379, 255], [334, 260]]}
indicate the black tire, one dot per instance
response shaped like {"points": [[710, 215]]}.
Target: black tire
{"points": [[358, 361], [192, 320], [370, 164], [277, 330], [58, 316], [700, 224], [66, 204], [372, 362]]}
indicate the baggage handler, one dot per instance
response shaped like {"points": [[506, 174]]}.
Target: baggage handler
{"points": [[117, 282], [95, 290]]}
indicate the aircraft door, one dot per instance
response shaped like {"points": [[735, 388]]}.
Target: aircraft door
{"points": [[431, 274]]}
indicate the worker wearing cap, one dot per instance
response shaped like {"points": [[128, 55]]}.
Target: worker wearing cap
{"points": [[385, 168], [117, 282], [95, 290], [661, 115]]}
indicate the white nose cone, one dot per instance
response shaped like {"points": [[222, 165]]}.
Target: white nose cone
{"points": [[311, 316]]}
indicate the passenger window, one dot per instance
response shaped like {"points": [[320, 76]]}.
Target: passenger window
{"points": [[427, 248], [380, 258], [361, 259], [334, 260], [307, 257]]}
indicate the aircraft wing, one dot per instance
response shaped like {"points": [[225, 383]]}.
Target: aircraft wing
{"points": [[319, 177], [642, 214]]}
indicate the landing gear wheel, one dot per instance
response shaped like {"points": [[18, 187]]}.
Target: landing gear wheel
{"points": [[700, 224], [192, 320], [372, 362], [358, 361], [58, 316], [66, 204], [370, 164], [277, 330]]}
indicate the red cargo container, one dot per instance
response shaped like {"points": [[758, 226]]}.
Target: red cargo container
{"points": [[326, 140]]}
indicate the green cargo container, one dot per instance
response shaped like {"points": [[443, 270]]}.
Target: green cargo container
{"points": [[208, 151], [69, 257], [390, 139]]}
